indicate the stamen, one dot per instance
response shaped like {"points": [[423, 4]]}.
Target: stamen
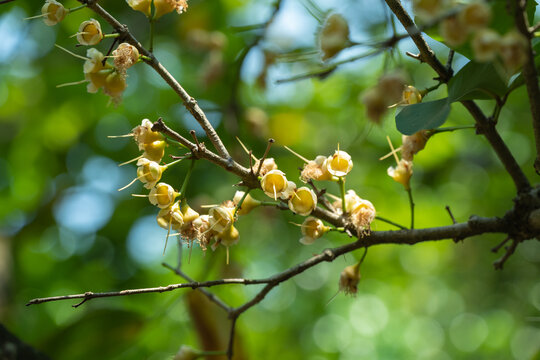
{"points": [[79, 33], [389, 154], [139, 195], [392, 148], [130, 161], [168, 232], [36, 17], [71, 53], [131, 183], [120, 136], [246, 150], [227, 255], [73, 83], [295, 153], [275, 194]]}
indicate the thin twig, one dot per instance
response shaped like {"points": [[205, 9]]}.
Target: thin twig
{"points": [[230, 346], [498, 264]]}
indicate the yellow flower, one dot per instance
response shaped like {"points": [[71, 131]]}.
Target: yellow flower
{"points": [[412, 144], [89, 33], [485, 44], [401, 173], [53, 12], [339, 164], [144, 135], [303, 201], [312, 229], [162, 195], [166, 6], [411, 95], [149, 172], [274, 184], [221, 218], [453, 31], [513, 50], [155, 150], [316, 170], [171, 217], [115, 84], [268, 164], [362, 214]]}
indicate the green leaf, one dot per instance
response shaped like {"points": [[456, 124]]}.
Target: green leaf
{"points": [[427, 115], [476, 81]]}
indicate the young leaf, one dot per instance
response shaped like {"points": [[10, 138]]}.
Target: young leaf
{"points": [[476, 81], [426, 115]]}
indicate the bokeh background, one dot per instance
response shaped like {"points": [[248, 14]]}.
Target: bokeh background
{"points": [[64, 227]]}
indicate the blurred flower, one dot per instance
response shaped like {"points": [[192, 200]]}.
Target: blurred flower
{"points": [[333, 36], [485, 44], [411, 95], [53, 12], [114, 87], [453, 31], [303, 201], [475, 15], [163, 7], [392, 85], [429, 10], [412, 144], [375, 104], [513, 50], [89, 33]]}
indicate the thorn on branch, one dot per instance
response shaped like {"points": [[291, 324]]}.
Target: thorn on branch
{"points": [[270, 142], [415, 56], [498, 264], [456, 239], [498, 247], [200, 146]]}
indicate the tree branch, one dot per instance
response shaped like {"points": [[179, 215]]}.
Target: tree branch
{"points": [[486, 127], [189, 102], [530, 74]]}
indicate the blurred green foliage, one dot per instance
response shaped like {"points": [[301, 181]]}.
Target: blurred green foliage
{"points": [[65, 229]]}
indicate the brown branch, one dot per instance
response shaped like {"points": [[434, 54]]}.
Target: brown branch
{"points": [[530, 74], [486, 127], [189, 102]]}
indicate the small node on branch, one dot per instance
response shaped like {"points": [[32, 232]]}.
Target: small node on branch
{"points": [[415, 56], [200, 146], [456, 239], [498, 264]]}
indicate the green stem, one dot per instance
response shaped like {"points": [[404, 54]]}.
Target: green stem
{"points": [[186, 179], [113, 35], [411, 203], [342, 191], [152, 22], [210, 353], [145, 58], [390, 222], [363, 256], [269, 203], [240, 202], [76, 8], [451, 128]]}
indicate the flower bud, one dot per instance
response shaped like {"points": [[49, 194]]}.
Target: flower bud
{"points": [[303, 201], [204, 232], [274, 183], [411, 95], [412, 144], [402, 173], [334, 36], [171, 217], [155, 150], [476, 15], [53, 12], [221, 218], [312, 229], [248, 204], [90, 33], [143, 6], [513, 50], [339, 164], [453, 31], [188, 213], [162, 195], [485, 45], [149, 172], [349, 279], [316, 170], [125, 56]]}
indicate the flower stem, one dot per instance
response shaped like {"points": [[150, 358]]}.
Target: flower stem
{"points": [[342, 191], [452, 128], [152, 22], [411, 203], [113, 35], [240, 202], [186, 179], [76, 8], [380, 218]]}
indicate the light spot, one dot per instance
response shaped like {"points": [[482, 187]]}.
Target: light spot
{"points": [[468, 332]]}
